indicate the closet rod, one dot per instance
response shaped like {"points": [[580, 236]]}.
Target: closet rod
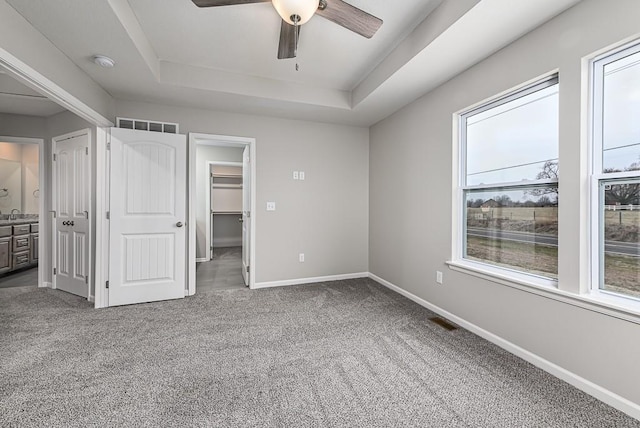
{"points": [[226, 175]]}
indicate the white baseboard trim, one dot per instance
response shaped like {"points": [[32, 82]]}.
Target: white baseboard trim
{"points": [[614, 400], [91, 299], [301, 281], [47, 285], [202, 260]]}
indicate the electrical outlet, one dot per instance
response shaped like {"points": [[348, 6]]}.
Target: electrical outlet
{"points": [[439, 277], [301, 257], [271, 206], [295, 175], [301, 175]]}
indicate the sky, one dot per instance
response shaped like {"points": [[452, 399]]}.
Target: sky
{"points": [[510, 143], [524, 131], [622, 113]]}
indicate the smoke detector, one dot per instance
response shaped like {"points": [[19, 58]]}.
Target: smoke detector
{"points": [[104, 61]]}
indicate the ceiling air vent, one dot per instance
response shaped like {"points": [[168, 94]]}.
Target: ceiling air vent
{"points": [[147, 125]]}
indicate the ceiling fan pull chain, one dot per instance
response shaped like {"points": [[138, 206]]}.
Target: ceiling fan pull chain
{"points": [[295, 35]]}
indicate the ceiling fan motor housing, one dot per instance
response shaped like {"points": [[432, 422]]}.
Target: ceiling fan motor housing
{"points": [[292, 10]]}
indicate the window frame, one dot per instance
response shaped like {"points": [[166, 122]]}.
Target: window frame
{"points": [[460, 229], [598, 179]]}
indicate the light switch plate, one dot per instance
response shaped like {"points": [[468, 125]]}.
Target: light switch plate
{"points": [[271, 206], [295, 175], [301, 175]]}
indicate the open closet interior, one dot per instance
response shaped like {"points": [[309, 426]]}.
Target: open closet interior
{"points": [[226, 206]]}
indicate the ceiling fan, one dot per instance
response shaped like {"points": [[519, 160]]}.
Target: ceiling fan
{"points": [[294, 13]]}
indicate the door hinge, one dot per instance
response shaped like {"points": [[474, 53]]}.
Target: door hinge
{"points": [[108, 215], [108, 146], [55, 157], [86, 150], [106, 284], [55, 271], [54, 213], [247, 269], [86, 279]]}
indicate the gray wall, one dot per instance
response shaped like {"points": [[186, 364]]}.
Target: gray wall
{"points": [[205, 154], [411, 173], [16, 125], [325, 216]]}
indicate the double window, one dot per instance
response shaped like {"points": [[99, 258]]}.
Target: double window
{"points": [[616, 173], [509, 182]]}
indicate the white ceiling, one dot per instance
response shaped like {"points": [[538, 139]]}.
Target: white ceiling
{"points": [[225, 58], [16, 98]]}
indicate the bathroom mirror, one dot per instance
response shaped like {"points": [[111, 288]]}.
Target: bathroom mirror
{"points": [[19, 178]]}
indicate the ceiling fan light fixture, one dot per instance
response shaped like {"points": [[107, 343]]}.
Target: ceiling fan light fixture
{"points": [[292, 10]]}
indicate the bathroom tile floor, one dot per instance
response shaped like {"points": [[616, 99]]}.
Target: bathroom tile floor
{"points": [[28, 277]]}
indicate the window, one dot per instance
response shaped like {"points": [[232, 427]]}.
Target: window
{"points": [[616, 173], [509, 182]]}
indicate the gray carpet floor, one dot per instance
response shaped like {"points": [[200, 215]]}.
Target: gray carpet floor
{"points": [[223, 272], [340, 354]]}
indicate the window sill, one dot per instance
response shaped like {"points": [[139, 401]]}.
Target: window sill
{"points": [[617, 307]]}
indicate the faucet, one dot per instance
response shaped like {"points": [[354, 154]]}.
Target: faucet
{"points": [[13, 214]]}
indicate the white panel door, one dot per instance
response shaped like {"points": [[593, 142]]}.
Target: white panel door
{"points": [[147, 237], [72, 205], [246, 213]]}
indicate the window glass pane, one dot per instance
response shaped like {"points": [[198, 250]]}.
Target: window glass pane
{"points": [[621, 213], [514, 228], [513, 141], [621, 115]]}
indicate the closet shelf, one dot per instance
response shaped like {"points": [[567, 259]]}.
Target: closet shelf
{"points": [[226, 175], [226, 212]]}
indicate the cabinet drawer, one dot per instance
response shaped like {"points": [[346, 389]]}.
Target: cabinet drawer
{"points": [[21, 243], [21, 229], [20, 259], [6, 231], [34, 228]]}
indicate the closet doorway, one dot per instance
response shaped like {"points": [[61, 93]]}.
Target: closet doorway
{"points": [[221, 192]]}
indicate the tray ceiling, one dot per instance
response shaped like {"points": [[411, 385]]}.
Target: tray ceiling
{"points": [[225, 57]]}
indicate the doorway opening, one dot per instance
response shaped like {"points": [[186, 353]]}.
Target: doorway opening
{"points": [[21, 211], [221, 224]]}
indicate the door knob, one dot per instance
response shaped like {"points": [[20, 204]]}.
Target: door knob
{"points": [[71, 223], [65, 223], [240, 219], [179, 224]]}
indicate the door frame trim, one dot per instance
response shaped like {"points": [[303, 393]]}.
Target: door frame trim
{"points": [[42, 198], [209, 226], [54, 199], [195, 139], [30, 76]]}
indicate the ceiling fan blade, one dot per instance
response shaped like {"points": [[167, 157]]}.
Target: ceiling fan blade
{"points": [[351, 18], [213, 3], [287, 46]]}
